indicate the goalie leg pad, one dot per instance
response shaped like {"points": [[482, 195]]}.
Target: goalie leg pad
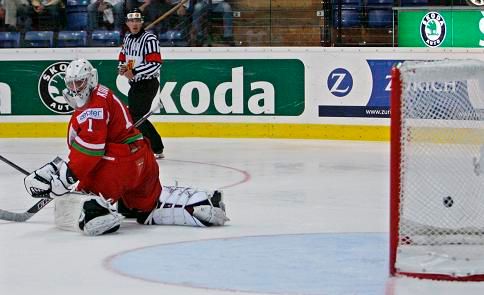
{"points": [[211, 215], [187, 206], [99, 217], [90, 214]]}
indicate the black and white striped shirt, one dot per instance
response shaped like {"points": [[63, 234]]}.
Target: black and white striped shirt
{"points": [[141, 53]]}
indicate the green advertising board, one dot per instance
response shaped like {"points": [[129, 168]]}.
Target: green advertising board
{"points": [[441, 28], [247, 87]]}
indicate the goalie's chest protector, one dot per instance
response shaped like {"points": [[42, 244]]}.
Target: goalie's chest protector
{"points": [[105, 119]]}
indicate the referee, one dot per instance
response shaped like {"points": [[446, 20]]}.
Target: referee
{"points": [[140, 62]]}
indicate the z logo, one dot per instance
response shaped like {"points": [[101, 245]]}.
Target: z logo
{"points": [[340, 82]]}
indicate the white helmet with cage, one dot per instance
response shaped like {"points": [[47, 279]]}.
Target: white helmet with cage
{"points": [[81, 79]]}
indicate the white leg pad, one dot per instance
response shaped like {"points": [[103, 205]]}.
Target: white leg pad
{"points": [[67, 211], [174, 199], [212, 215], [184, 196], [174, 216], [97, 226]]}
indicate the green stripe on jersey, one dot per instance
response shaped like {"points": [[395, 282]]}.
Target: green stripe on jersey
{"points": [[133, 138], [95, 153]]}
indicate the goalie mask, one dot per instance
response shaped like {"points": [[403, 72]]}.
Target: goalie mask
{"points": [[80, 79]]}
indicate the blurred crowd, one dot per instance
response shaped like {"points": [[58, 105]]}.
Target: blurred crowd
{"points": [[209, 22], [191, 19]]}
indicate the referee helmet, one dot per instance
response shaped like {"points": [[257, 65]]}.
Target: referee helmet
{"points": [[134, 13]]}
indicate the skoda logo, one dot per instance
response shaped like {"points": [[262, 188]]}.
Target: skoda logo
{"points": [[51, 83], [340, 82], [433, 29], [476, 2]]}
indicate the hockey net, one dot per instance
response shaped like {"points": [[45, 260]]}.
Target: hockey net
{"points": [[437, 195]]}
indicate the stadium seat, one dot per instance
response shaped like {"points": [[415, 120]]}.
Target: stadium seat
{"points": [[380, 13], [9, 39], [172, 38], [78, 2], [379, 3], [350, 18], [102, 38], [380, 18], [39, 39], [351, 3], [77, 17], [414, 2], [350, 13], [72, 39]]}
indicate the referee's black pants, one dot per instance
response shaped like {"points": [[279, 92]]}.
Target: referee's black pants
{"points": [[140, 97]]}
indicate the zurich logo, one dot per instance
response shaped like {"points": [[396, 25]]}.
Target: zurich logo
{"points": [[340, 82]]}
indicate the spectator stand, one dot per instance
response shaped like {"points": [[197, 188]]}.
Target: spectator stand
{"points": [[173, 38], [278, 23], [72, 39], [175, 29], [77, 16], [9, 39], [39, 39], [105, 38]]}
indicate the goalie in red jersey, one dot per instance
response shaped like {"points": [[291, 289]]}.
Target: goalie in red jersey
{"points": [[110, 160]]}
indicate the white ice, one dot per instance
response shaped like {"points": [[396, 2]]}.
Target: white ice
{"points": [[305, 216]]}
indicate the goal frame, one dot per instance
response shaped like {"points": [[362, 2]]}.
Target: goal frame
{"points": [[396, 185]]}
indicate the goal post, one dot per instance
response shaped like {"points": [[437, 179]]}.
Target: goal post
{"points": [[436, 193]]}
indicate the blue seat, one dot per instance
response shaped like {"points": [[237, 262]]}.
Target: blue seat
{"points": [[379, 3], [9, 39], [351, 3], [39, 39], [102, 38], [72, 39], [350, 18], [77, 16], [172, 38], [380, 18], [78, 2], [414, 2]]}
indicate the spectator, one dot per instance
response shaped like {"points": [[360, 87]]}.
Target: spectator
{"points": [[178, 20], [107, 14], [131, 4], [18, 15], [153, 9], [49, 14], [202, 7], [2, 16]]}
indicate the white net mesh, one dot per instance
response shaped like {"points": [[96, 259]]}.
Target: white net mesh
{"points": [[441, 225]]}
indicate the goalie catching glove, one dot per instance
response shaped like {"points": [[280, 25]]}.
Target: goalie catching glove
{"points": [[51, 180]]}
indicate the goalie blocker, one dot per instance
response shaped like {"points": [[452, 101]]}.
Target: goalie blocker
{"points": [[93, 215]]}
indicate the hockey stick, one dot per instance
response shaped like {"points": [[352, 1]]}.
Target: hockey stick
{"points": [[21, 217], [165, 15], [24, 216]]}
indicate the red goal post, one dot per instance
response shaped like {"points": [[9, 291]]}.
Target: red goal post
{"points": [[436, 196]]}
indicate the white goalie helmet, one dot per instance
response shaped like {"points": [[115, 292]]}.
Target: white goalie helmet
{"points": [[81, 79]]}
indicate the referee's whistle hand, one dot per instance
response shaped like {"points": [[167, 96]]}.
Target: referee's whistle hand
{"points": [[122, 69], [129, 74]]}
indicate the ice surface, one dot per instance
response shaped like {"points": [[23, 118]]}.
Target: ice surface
{"points": [[321, 204]]}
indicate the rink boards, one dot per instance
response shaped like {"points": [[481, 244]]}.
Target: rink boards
{"points": [[310, 93]]}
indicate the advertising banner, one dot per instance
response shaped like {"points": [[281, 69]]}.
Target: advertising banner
{"points": [[441, 28], [188, 87], [226, 92], [364, 96]]}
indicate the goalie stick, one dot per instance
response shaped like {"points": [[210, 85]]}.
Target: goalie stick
{"points": [[24, 216]]}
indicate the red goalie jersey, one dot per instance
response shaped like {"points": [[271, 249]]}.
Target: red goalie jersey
{"points": [[109, 156]]}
